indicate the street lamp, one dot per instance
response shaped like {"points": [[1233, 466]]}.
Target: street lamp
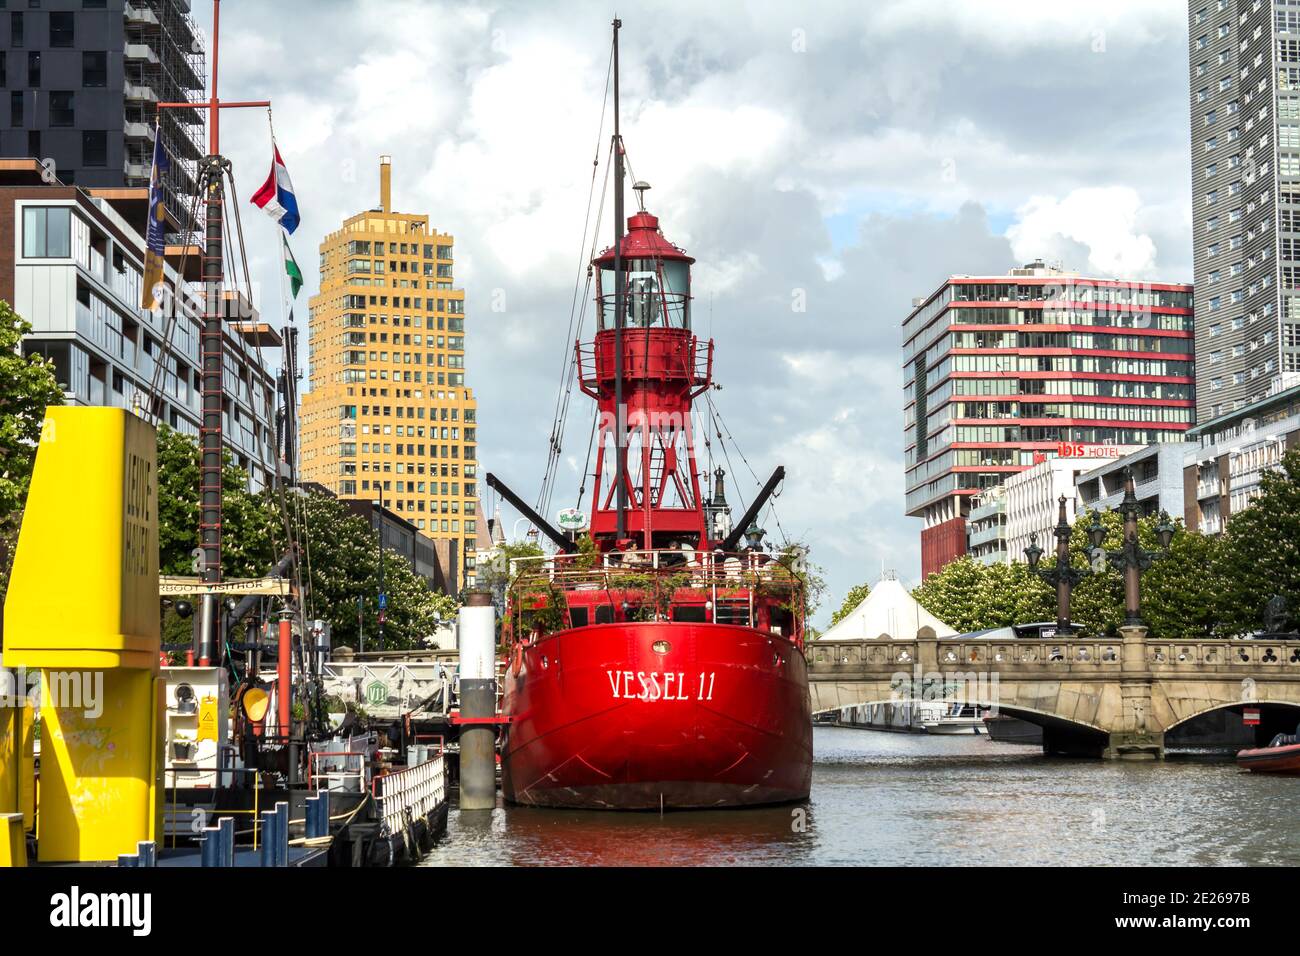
{"points": [[754, 536], [1062, 576], [1131, 560]]}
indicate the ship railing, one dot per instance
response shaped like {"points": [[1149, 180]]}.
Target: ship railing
{"points": [[407, 795], [324, 765], [695, 364], [702, 569]]}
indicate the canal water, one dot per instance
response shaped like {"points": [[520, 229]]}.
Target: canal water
{"points": [[911, 799]]}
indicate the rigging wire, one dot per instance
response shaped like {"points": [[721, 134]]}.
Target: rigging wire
{"points": [[570, 357], [572, 370], [729, 437]]}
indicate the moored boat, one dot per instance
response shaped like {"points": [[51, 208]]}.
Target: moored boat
{"points": [[657, 662], [1282, 755], [1012, 730]]}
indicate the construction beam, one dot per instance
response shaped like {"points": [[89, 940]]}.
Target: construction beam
{"points": [[561, 540], [730, 541]]}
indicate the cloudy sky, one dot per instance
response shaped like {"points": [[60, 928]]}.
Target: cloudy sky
{"points": [[847, 156]]}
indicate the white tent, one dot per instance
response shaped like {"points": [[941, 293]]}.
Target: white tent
{"points": [[889, 612]]}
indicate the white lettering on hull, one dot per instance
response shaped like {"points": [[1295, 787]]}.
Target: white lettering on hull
{"points": [[652, 686]]}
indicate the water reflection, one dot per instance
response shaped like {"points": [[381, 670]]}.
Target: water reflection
{"points": [[905, 799]]}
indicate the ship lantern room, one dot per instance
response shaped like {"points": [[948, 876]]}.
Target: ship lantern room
{"points": [[656, 276]]}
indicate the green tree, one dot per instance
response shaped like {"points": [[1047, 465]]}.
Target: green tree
{"points": [[345, 567], [1180, 593], [253, 536], [344, 563], [955, 596], [1259, 554], [27, 388], [1012, 594], [857, 594]]}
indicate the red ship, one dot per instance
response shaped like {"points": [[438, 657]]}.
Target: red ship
{"points": [[657, 662]]}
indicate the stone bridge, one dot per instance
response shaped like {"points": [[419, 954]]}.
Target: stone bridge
{"points": [[1114, 697]]}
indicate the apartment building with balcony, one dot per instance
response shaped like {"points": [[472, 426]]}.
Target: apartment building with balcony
{"points": [[72, 264], [80, 81], [1229, 454], [1157, 480]]}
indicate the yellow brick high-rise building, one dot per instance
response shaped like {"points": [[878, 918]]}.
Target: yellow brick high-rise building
{"points": [[388, 404]]}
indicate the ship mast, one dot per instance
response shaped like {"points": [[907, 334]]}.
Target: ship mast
{"points": [[212, 171], [620, 468]]}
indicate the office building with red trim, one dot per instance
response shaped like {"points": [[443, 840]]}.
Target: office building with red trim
{"points": [[1001, 372]]}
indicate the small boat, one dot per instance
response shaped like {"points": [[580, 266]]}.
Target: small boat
{"points": [[1012, 730], [1282, 755], [960, 719]]}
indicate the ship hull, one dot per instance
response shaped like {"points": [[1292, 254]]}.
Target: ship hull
{"points": [[650, 715]]}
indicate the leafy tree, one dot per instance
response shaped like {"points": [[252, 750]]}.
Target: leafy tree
{"points": [[27, 388], [253, 536], [1012, 594], [1259, 553], [344, 551], [1180, 593], [345, 567], [857, 594], [954, 594]]}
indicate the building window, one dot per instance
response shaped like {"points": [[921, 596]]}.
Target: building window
{"points": [[34, 69], [46, 232], [61, 113], [16, 108], [61, 30], [34, 143], [15, 29], [94, 148], [94, 69]]}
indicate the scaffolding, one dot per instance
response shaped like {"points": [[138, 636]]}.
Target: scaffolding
{"points": [[164, 61]]}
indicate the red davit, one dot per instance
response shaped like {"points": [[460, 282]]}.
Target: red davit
{"points": [[662, 666]]}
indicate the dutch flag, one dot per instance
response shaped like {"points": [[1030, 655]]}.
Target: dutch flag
{"points": [[276, 197]]}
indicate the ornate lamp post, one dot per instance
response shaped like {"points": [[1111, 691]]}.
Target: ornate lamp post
{"points": [[1131, 560], [1063, 576]]}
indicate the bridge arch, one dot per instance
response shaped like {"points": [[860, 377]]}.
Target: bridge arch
{"points": [[1060, 734], [1275, 717]]}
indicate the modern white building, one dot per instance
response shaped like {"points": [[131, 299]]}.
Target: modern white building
{"points": [[986, 526], [1033, 496], [1157, 478], [72, 265]]}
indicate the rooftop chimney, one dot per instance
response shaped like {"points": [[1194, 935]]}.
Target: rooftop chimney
{"points": [[386, 183]]}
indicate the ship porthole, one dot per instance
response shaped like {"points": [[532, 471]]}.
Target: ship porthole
{"points": [[661, 647]]}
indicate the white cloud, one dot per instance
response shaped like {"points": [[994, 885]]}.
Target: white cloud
{"points": [[1101, 220]]}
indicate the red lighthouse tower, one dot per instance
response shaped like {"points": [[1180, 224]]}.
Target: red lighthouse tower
{"points": [[644, 369]]}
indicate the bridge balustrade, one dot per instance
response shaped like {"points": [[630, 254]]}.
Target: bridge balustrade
{"points": [[1099, 654]]}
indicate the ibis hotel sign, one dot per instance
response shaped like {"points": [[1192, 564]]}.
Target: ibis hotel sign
{"points": [[1068, 449]]}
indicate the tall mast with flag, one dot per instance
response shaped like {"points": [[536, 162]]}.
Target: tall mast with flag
{"points": [[277, 199], [213, 171]]}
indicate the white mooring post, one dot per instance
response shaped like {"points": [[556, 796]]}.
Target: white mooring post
{"points": [[478, 701]]}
